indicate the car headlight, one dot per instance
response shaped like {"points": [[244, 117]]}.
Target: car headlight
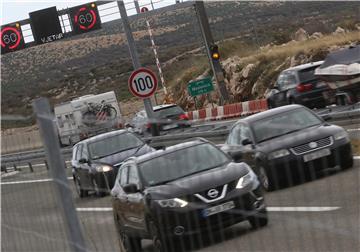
{"points": [[247, 179], [341, 135], [172, 203], [103, 168], [278, 154]]}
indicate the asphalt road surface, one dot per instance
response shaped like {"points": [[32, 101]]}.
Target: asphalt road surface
{"points": [[321, 215]]}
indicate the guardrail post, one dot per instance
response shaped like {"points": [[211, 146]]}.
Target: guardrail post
{"points": [[46, 164], [49, 136], [3, 168], [30, 167], [15, 168]]}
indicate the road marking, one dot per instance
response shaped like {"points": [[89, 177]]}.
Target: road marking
{"points": [[29, 181], [270, 209], [94, 209], [4, 175], [301, 209]]}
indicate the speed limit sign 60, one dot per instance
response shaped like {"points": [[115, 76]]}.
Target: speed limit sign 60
{"points": [[143, 83]]}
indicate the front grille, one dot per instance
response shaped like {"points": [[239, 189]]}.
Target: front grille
{"points": [[204, 195], [304, 148]]}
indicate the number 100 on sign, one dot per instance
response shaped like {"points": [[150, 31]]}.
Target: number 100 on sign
{"points": [[143, 83]]}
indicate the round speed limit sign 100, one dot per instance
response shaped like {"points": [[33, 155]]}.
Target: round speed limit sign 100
{"points": [[143, 83]]}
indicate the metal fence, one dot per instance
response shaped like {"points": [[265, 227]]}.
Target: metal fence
{"points": [[42, 211]]}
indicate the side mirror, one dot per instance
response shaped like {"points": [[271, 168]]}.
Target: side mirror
{"points": [[83, 161], [236, 154], [131, 188], [246, 142], [326, 117]]}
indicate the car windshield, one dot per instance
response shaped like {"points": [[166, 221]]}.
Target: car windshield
{"points": [[284, 123], [181, 163], [113, 144], [168, 111]]}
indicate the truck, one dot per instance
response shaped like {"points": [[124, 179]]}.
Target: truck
{"points": [[87, 116]]}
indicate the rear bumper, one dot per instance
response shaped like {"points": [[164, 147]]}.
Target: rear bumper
{"points": [[312, 98]]}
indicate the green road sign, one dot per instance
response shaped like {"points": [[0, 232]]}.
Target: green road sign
{"points": [[200, 87]]}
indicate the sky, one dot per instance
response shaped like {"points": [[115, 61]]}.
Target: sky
{"points": [[15, 10]]}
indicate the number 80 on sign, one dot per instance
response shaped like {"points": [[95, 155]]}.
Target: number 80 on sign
{"points": [[142, 83]]}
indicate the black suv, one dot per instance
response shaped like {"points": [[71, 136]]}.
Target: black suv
{"points": [[183, 190], [95, 161], [299, 85]]}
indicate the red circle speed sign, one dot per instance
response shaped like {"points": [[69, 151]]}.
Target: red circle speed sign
{"points": [[143, 83]]}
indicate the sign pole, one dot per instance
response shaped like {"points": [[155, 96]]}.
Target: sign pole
{"points": [[208, 40], [136, 62]]}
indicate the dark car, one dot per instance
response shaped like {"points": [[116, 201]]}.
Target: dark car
{"points": [[287, 144], [299, 85], [167, 117], [95, 161], [183, 190]]}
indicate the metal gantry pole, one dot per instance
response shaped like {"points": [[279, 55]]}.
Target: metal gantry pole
{"points": [[137, 6], [208, 40], [48, 132], [136, 63]]}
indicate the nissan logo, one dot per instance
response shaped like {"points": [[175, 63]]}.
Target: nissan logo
{"points": [[313, 145], [213, 193]]}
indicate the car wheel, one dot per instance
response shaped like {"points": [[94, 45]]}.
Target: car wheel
{"points": [[81, 192], [99, 191], [292, 100], [265, 181], [259, 220]]}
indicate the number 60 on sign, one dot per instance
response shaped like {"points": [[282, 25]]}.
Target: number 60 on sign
{"points": [[142, 83]]}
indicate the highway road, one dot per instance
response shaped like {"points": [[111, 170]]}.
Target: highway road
{"points": [[321, 215]]}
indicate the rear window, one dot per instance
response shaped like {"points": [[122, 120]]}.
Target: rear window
{"points": [[307, 75]]}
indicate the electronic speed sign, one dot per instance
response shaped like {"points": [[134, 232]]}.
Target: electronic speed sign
{"points": [[11, 38], [143, 83], [85, 18]]}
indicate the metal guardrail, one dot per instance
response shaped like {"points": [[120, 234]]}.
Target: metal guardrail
{"points": [[214, 134]]}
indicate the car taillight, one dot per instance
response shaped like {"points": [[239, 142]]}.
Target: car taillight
{"points": [[183, 117], [148, 125], [304, 87]]}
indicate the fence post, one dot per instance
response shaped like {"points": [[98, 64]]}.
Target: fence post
{"points": [[48, 132], [3, 168], [30, 167]]}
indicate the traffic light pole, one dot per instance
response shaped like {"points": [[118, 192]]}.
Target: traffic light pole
{"points": [[209, 41], [136, 63]]}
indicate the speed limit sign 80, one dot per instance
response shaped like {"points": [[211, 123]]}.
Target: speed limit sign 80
{"points": [[143, 83]]}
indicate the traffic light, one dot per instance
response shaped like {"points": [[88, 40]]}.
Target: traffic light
{"points": [[214, 52]]}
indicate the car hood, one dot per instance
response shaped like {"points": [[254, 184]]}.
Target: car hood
{"points": [[299, 137], [199, 182], [121, 156]]}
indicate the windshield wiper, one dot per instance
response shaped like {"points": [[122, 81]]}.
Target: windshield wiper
{"points": [[139, 146], [189, 174], [269, 138]]}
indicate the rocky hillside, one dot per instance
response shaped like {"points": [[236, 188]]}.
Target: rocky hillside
{"points": [[251, 77], [99, 61]]}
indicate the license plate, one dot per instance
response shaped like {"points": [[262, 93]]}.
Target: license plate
{"points": [[316, 155], [170, 126], [218, 209]]}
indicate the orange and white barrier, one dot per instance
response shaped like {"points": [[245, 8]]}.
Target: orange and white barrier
{"points": [[228, 111]]}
